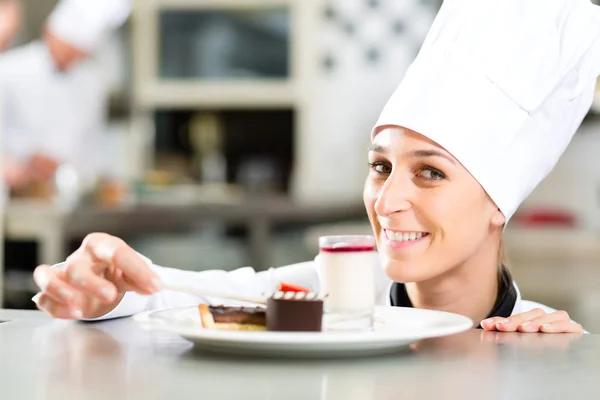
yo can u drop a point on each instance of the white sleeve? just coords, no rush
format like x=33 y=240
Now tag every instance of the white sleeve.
x=242 y=281
x=86 y=23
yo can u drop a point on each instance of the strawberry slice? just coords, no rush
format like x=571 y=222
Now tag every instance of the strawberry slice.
x=288 y=287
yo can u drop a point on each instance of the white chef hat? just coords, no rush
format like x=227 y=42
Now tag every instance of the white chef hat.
x=86 y=23
x=502 y=85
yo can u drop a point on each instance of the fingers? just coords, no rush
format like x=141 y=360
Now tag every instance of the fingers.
x=490 y=323
x=536 y=320
x=561 y=327
x=94 y=279
x=118 y=256
x=50 y=283
x=64 y=297
x=512 y=323
x=535 y=324
x=57 y=309
x=57 y=297
x=558 y=322
x=88 y=277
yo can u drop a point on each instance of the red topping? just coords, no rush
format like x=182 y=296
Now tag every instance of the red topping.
x=288 y=287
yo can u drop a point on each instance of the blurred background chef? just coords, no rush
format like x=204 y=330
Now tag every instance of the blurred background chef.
x=54 y=94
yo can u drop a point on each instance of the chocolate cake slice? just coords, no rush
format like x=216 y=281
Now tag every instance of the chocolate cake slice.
x=233 y=318
x=295 y=311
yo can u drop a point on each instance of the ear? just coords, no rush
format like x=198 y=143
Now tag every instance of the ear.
x=498 y=219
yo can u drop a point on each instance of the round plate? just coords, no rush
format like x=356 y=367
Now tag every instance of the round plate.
x=395 y=329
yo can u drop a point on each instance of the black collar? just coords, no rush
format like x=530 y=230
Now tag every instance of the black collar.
x=505 y=302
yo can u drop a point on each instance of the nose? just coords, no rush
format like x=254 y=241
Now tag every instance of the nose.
x=394 y=196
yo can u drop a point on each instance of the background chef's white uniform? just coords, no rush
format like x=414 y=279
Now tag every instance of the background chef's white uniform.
x=61 y=114
x=50 y=112
x=501 y=84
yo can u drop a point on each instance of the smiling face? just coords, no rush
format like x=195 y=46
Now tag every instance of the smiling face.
x=429 y=215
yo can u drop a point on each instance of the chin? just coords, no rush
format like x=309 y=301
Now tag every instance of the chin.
x=407 y=270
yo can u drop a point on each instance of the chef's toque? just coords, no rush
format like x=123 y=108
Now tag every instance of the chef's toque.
x=502 y=85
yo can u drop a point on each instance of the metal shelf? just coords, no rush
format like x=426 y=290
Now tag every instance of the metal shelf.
x=228 y=94
x=217 y=4
x=152 y=92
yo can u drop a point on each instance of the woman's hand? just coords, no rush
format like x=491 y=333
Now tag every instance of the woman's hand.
x=94 y=279
x=536 y=320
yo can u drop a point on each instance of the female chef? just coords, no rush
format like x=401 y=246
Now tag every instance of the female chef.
x=481 y=117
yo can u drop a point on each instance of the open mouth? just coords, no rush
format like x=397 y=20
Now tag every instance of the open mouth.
x=396 y=236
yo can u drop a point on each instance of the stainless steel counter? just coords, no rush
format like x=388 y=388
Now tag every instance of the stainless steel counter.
x=45 y=359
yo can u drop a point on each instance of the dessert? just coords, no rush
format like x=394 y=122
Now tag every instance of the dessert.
x=295 y=311
x=347 y=273
x=292 y=308
x=233 y=318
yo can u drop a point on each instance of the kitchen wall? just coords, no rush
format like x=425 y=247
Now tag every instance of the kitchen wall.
x=360 y=51
x=574 y=184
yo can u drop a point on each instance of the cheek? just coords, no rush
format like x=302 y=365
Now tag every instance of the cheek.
x=370 y=195
x=460 y=206
x=370 y=198
x=463 y=218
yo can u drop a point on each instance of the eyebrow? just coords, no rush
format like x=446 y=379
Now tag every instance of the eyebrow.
x=416 y=153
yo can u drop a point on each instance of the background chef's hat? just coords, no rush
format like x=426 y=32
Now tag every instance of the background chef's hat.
x=86 y=23
x=502 y=85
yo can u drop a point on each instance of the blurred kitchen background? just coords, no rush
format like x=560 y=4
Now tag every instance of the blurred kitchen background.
x=226 y=126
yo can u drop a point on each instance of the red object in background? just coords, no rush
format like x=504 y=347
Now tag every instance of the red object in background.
x=545 y=217
x=288 y=287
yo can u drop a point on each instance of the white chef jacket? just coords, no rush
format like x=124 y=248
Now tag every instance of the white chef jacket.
x=247 y=282
x=61 y=114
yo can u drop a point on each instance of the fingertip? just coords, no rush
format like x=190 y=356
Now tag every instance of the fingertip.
x=41 y=276
x=487 y=325
x=75 y=313
x=105 y=251
x=156 y=284
x=108 y=294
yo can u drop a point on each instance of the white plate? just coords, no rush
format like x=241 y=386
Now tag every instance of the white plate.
x=395 y=329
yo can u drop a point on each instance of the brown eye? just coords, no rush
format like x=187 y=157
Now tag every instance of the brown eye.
x=431 y=174
x=380 y=168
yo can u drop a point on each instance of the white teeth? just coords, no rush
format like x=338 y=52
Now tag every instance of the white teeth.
x=403 y=236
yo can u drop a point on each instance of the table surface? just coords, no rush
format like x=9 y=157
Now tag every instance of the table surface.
x=48 y=359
